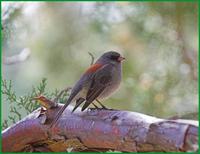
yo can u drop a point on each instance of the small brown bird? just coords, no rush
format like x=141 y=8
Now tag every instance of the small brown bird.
x=99 y=81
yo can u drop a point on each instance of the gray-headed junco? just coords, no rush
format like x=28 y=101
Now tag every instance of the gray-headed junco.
x=99 y=81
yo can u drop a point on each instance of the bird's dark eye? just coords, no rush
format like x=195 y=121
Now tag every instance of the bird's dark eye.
x=114 y=57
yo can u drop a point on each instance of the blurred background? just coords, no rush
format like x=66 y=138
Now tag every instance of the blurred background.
x=159 y=41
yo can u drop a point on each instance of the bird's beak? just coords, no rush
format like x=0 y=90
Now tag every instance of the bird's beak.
x=121 y=59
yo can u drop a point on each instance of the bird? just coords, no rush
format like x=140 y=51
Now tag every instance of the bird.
x=99 y=81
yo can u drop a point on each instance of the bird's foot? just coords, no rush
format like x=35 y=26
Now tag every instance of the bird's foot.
x=92 y=109
x=105 y=108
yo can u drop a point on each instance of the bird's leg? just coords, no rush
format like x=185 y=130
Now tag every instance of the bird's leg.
x=103 y=107
x=95 y=106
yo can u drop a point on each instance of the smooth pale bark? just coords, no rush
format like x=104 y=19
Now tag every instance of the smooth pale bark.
x=99 y=130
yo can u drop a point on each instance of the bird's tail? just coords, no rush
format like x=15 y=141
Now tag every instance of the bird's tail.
x=60 y=112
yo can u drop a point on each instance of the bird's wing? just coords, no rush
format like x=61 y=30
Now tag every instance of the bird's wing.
x=100 y=81
x=86 y=78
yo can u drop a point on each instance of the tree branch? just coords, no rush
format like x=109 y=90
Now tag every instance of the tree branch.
x=99 y=130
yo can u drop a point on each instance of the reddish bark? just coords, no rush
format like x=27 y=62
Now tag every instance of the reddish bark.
x=99 y=130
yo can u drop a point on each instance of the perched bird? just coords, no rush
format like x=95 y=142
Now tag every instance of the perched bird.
x=99 y=81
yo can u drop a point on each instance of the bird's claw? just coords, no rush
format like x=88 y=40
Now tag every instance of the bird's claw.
x=92 y=109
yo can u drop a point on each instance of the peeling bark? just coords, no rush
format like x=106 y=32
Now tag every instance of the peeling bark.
x=99 y=130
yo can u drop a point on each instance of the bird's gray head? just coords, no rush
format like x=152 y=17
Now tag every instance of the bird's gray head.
x=111 y=57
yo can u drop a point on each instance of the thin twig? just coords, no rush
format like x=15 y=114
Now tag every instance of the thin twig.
x=92 y=58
